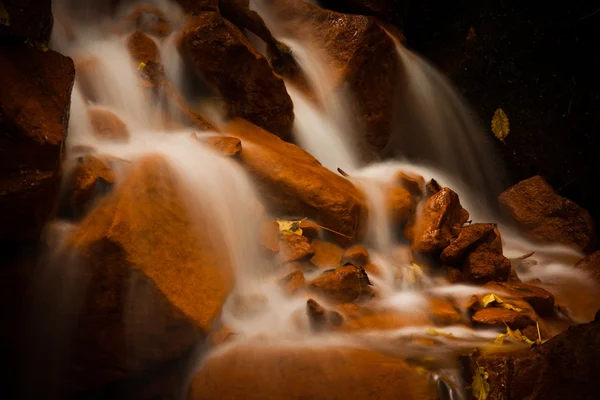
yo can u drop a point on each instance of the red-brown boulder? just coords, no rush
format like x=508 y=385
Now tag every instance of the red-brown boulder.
x=540 y=299
x=357 y=256
x=399 y=204
x=224 y=58
x=293 y=282
x=298 y=373
x=295 y=247
x=34 y=112
x=299 y=185
x=438 y=222
x=342 y=285
x=469 y=237
x=485 y=264
x=154 y=281
x=142 y=48
x=227 y=146
x=499 y=317
x=327 y=254
x=548 y=217
x=363 y=60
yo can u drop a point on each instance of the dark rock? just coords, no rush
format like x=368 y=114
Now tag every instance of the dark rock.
x=224 y=58
x=27 y=19
x=485 y=264
x=34 y=114
x=469 y=237
x=342 y=285
x=548 y=217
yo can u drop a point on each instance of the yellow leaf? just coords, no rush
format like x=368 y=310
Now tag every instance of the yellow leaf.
x=141 y=66
x=434 y=332
x=415 y=273
x=4 y=17
x=500 y=338
x=289 y=227
x=480 y=385
x=41 y=46
x=515 y=335
x=493 y=298
x=500 y=124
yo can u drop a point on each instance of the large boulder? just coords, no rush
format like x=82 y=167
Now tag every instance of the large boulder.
x=276 y=372
x=225 y=59
x=34 y=114
x=294 y=183
x=26 y=19
x=153 y=279
x=548 y=217
x=362 y=57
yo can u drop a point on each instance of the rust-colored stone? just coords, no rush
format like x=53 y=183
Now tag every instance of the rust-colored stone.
x=295 y=247
x=106 y=125
x=35 y=99
x=469 y=237
x=224 y=58
x=342 y=285
x=357 y=256
x=443 y=312
x=227 y=146
x=438 y=223
x=540 y=299
x=399 y=205
x=485 y=264
x=296 y=373
x=548 y=217
x=150 y=279
x=327 y=254
x=415 y=184
x=300 y=185
x=269 y=236
x=293 y=282
x=492 y=317
x=142 y=48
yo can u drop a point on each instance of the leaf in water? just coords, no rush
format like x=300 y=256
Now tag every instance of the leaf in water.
x=415 y=274
x=434 y=332
x=4 y=17
x=289 y=227
x=515 y=335
x=500 y=338
x=480 y=385
x=500 y=124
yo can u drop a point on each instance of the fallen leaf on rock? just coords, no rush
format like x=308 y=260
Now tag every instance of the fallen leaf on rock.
x=290 y=227
x=141 y=66
x=493 y=298
x=4 y=17
x=500 y=125
x=480 y=385
x=516 y=335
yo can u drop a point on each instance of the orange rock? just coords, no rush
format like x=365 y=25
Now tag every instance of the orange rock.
x=310 y=229
x=342 y=285
x=90 y=177
x=497 y=242
x=300 y=185
x=469 y=237
x=293 y=282
x=321 y=319
x=327 y=255
x=225 y=145
x=224 y=58
x=142 y=48
x=150 y=278
x=374 y=270
x=415 y=184
x=106 y=125
x=350 y=310
x=499 y=317
x=548 y=217
x=352 y=45
x=35 y=96
x=269 y=236
x=296 y=373
x=400 y=205
x=438 y=223
x=485 y=264
x=453 y=275
x=295 y=247
x=443 y=312
x=540 y=299
x=357 y=256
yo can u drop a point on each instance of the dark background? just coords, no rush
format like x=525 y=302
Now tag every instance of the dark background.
x=538 y=61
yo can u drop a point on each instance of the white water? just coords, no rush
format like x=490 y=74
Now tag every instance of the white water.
x=434 y=126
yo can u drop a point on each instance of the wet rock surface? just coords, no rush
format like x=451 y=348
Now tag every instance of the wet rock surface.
x=295 y=247
x=341 y=285
x=540 y=299
x=548 y=217
x=485 y=264
x=34 y=113
x=108 y=126
x=300 y=185
x=225 y=145
x=468 y=238
x=241 y=75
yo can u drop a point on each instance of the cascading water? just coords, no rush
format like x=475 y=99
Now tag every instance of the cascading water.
x=433 y=127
